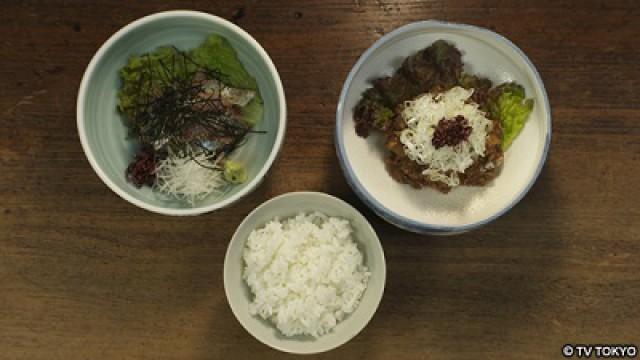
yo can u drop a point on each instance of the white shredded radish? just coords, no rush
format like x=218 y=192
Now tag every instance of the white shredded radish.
x=189 y=177
x=423 y=114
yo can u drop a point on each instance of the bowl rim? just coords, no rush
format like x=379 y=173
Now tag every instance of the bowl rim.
x=378 y=296
x=386 y=213
x=159 y=16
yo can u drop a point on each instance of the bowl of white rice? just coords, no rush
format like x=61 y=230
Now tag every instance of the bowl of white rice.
x=304 y=272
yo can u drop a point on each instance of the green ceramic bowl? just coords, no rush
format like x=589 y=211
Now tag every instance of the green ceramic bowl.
x=104 y=136
x=239 y=296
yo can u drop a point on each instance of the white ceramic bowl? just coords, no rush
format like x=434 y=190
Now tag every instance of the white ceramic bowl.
x=287 y=205
x=104 y=135
x=465 y=208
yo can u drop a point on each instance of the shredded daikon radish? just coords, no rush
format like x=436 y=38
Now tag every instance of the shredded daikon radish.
x=190 y=177
x=422 y=116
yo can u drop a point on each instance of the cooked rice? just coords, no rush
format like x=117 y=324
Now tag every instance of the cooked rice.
x=306 y=273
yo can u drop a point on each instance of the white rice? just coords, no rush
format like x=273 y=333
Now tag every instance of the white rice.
x=306 y=273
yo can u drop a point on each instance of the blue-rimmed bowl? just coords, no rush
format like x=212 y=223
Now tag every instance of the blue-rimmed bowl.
x=104 y=135
x=465 y=208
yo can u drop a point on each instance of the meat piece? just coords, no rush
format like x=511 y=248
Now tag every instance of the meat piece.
x=394 y=145
x=398 y=123
x=489 y=166
x=481 y=88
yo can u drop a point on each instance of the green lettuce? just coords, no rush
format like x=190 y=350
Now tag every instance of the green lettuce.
x=217 y=54
x=508 y=104
x=144 y=73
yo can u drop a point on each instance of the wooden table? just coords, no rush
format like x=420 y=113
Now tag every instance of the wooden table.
x=85 y=275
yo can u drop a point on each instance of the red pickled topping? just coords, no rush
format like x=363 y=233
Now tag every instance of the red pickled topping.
x=451 y=132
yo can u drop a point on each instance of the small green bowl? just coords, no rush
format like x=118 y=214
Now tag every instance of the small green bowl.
x=284 y=206
x=104 y=135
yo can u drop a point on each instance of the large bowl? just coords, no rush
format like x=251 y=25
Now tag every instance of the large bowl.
x=465 y=208
x=284 y=206
x=104 y=135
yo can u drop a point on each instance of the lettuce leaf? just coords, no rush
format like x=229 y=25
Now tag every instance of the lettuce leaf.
x=217 y=54
x=508 y=104
x=142 y=72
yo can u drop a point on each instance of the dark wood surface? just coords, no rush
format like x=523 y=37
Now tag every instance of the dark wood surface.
x=85 y=275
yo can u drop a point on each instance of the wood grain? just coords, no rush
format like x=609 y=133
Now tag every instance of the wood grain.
x=85 y=275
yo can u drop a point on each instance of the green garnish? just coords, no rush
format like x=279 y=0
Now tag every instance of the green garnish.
x=217 y=54
x=234 y=172
x=509 y=105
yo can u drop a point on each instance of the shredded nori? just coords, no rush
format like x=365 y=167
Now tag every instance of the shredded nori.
x=173 y=111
